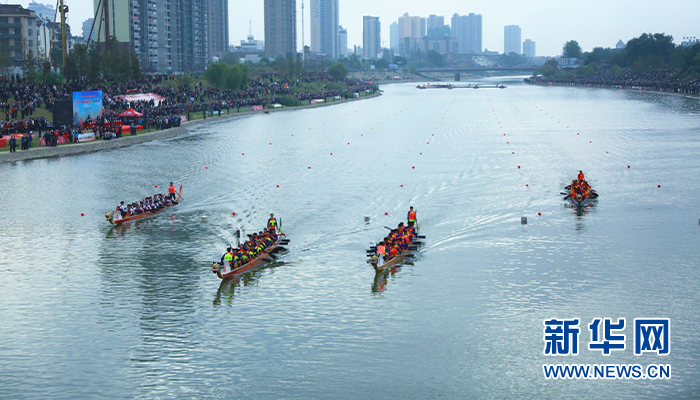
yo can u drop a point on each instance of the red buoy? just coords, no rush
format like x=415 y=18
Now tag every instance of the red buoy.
x=413 y=167
x=527 y=185
x=82 y=214
x=518 y=166
x=386 y=213
x=206 y=167
x=270 y=144
x=278 y=185
x=628 y=166
x=421 y=153
x=233 y=213
x=402 y=185
x=427 y=142
x=348 y=142
x=513 y=152
x=331 y=153
x=242 y=154
x=309 y=167
x=590 y=141
x=659 y=186
x=156 y=185
x=539 y=213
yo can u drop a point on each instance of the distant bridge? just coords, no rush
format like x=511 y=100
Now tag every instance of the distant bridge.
x=458 y=71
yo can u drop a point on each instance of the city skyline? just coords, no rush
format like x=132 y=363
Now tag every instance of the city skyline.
x=549 y=27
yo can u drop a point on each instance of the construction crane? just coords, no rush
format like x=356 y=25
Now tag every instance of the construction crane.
x=63 y=9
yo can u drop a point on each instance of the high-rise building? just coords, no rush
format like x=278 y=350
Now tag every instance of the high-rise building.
x=193 y=23
x=410 y=36
x=511 y=39
x=435 y=20
x=342 y=42
x=423 y=27
x=18 y=34
x=87 y=27
x=167 y=35
x=394 y=37
x=371 y=36
x=529 y=48
x=468 y=32
x=280 y=28
x=43 y=11
x=218 y=28
x=324 y=27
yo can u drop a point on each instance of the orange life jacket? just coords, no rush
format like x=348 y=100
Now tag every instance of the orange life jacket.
x=381 y=250
x=171 y=189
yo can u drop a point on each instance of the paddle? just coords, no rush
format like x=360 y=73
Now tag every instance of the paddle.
x=420 y=236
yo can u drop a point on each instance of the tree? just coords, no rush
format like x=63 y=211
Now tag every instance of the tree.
x=511 y=59
x=435 y=59
x=338 y=71
x=216 y=74
x=650 y=49
x=571 y=49
x=399 y=60
x=381 y=64
x=549 y=68
x=616 y=70
x=598 y=55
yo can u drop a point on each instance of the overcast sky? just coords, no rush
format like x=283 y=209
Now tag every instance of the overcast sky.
x=548 y=22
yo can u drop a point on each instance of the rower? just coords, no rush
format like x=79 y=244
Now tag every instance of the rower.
x=272 y=223
x=227 y=260
x=381 y=249
x=411 y=217
x=171 y=191
x=122 y=209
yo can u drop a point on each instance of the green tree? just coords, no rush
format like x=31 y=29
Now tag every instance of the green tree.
x=435 y=59
x=338 y=70
x=650 y=49
x=399 y=60
x=550 y=68
x=511 y=59
x=571 y=49
x=381 y=64
x=616 y=70
x=216 y=74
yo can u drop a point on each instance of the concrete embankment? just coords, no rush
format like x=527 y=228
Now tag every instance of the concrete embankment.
x=126 y=141
x=691 y=94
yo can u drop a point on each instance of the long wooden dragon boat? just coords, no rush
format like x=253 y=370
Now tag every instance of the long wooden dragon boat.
x=225 y=271
x=115 y=218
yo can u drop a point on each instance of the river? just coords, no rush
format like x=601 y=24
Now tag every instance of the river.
x=90 y=311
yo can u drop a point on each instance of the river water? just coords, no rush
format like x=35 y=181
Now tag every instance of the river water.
x=89 y=311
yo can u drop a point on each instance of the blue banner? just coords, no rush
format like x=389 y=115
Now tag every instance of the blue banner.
x=87 y=104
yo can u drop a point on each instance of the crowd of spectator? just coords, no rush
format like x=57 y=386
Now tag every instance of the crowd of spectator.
x=20 y=98
x=651 y=79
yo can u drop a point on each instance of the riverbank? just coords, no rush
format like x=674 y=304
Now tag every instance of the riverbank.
x=126 y=141
x=646 y=89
